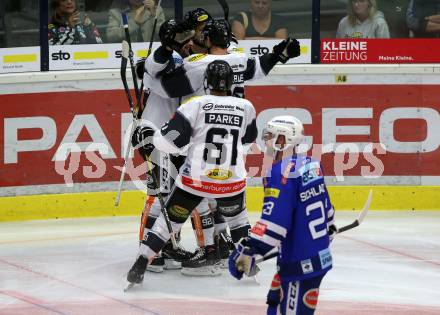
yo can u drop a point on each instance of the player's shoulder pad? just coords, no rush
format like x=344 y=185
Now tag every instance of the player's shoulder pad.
x=191 y=99
x=195 y=57
x=246 y=102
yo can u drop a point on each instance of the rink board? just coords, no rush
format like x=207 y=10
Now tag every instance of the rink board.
x=56 y=206
x=62 y=136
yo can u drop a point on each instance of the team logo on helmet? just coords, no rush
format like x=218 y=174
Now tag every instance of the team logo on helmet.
x=203 y=18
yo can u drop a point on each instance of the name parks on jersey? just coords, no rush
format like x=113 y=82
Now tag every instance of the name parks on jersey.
x=223 y=119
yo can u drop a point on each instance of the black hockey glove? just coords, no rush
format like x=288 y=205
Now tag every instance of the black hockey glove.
x=142 y=139
x=332 y=231
x=288 y=48
x=140 y=68
x=174 y=34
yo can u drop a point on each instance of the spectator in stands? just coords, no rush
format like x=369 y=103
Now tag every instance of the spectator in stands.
x=423 y=18
x=363 y=21
x=68 y=27
x=259 y=22
x=2 y=25
x=395 y=14
x=141 y=14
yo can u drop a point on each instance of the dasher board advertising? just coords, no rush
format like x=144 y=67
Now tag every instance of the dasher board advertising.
x=22 y=59
x=108 y=56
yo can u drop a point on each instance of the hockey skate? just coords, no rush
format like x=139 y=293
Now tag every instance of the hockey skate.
x=204 y=263
x=157 y=265
x=136 y=273
x=225 y=243
x=174 y=258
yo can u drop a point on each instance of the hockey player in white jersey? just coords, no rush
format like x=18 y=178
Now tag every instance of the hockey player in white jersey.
x=214 y=128
x=187 y=80
x=158 y=110
x=172 y=34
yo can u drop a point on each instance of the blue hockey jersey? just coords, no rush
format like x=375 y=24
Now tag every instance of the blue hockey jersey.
x=296 y=215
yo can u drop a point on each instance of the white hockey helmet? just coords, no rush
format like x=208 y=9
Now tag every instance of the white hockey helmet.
x=288 y=126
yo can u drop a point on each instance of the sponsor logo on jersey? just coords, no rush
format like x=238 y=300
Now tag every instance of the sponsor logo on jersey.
x=219 y=174
x=180 y=212
x=223 y=119
x=292 y=297
x=311 y=175
x=196 y=57
x=229 y=108
x=326 y=258
x=213 y=188
x=208 y=106
x=310 y=298
x=259 y=228
x=306 y=266
x=312 y=192
x=229 y=209
x=186 y=170
x=271 y=192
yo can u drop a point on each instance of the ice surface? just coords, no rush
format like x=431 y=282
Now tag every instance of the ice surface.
x=388 y=265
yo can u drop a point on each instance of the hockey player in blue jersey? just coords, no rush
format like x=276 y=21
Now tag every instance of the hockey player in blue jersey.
x=297 y=219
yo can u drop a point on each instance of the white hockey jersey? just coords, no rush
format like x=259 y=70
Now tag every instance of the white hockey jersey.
x=188 y=80
x=214 y=130
x=159 y=109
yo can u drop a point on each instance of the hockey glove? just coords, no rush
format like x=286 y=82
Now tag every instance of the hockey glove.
x=142 y=139
x=174 y=35
x=288 y=48
x=242 y=260
x=274 y=296
x=140 y=68
x=332 y=231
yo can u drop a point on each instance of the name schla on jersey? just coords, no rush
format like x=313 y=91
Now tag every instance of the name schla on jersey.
x=223 y=119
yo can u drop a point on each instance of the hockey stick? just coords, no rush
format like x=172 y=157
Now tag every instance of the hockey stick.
x=357 y=222
x=225 y=8
x=136 y=112
x=127 y=53
x=150 y=46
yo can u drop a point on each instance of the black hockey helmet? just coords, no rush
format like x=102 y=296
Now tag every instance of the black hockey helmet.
x=175 y=34
x=219 y=76
x=195 y=17
x=218 y=32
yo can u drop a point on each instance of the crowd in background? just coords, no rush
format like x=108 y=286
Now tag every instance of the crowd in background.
x=99 y=21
